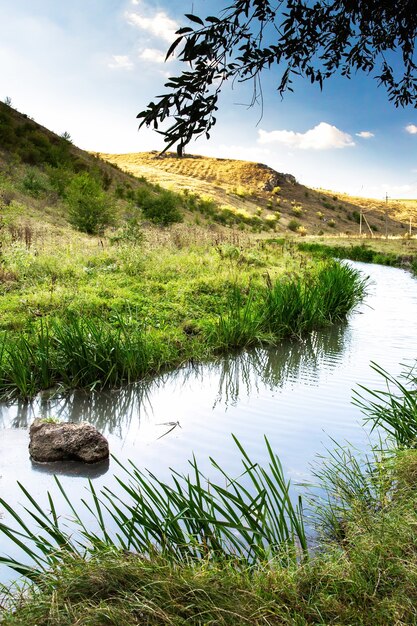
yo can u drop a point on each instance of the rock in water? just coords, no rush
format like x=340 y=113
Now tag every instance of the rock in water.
x=50 y=441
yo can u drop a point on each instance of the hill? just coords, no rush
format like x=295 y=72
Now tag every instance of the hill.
x=254 y=190
x=43 y=177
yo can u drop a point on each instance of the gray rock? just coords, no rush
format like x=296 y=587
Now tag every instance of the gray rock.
x=50 y=441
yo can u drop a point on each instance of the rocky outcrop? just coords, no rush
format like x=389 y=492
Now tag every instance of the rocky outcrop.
x=276 y=179
x=51 y=441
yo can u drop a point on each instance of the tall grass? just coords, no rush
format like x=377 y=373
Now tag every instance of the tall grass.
x=77 y=352
x=350 y=483
x=289 y=307
x=93 y=352
x=358 y=253
x=393 y=408
x=248 y=519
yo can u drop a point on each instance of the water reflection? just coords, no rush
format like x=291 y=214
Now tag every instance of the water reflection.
x=236 y=375
x=275 y=367
x=72 y=468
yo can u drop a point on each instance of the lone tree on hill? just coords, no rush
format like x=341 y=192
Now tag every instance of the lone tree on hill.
x=301 y=38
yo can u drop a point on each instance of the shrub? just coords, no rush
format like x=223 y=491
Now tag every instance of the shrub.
x=331 y=223
x=90 y=209
x=131 y=232
x=33 y=183
x=294 y=225
x=163 y=208
x=59 y=178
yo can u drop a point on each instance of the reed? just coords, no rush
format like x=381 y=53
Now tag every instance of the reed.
x=249 y=519
x=80 y=352
x=239 y=326
x=96 y=352
x=393 y=408
x=350 y=484
x=325 y=296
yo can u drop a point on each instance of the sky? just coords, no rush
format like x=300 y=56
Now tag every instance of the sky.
x=88 y=67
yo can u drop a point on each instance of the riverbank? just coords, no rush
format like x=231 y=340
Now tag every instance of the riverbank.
x=92 y=313
x=364 y=572
x=397 y=252
x=369 y=580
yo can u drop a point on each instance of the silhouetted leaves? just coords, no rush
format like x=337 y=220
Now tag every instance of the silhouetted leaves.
x=298 y=38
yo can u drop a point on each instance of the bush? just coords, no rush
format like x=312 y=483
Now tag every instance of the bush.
x=90 y=209
x=33 y=183
x=162 y=208
x=294 y=225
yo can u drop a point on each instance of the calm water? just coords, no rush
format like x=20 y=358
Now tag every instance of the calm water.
x=298 y=395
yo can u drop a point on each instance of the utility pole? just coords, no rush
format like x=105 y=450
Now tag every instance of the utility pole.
x=409 y=228
x=360 y=223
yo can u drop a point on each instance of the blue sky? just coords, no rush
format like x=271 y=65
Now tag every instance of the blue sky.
x=89 y=66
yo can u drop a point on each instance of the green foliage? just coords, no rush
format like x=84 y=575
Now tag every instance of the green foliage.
x=313 y=44
x=78 y=352
x=102 y=347
x=394 y=408
x=350 y=483
x=356 y=253
x=131 y=232
x=294 y=225
x=162 y=208
x=328 y=205
x=250 y=518
x=33 y=183
x=90 y=209
x=231 y=549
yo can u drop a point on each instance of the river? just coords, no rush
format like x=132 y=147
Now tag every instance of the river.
x=298 y=395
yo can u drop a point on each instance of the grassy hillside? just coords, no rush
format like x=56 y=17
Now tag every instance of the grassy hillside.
x=107 y=278
x=254 y=189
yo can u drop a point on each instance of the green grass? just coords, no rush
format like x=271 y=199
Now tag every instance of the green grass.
x=393 y=408
x=108 y=348
x=246 y=519
x=231 y=551
x=360 y=252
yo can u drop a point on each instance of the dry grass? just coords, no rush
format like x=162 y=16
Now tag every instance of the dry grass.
x=257 y=189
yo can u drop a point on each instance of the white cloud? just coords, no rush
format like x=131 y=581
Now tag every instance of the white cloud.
x=121 y=62
x=365 y=134
x=160 y=25
x=412 y=129
x=153 y=55
x=322 y=137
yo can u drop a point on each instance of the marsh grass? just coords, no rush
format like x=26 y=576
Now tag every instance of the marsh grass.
x=393 y=408
x=248 y=519
x=350 y=484
x=359 y=252
x=107 y=349
x=80 y=352
x=368 y=577
x=231 y=551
